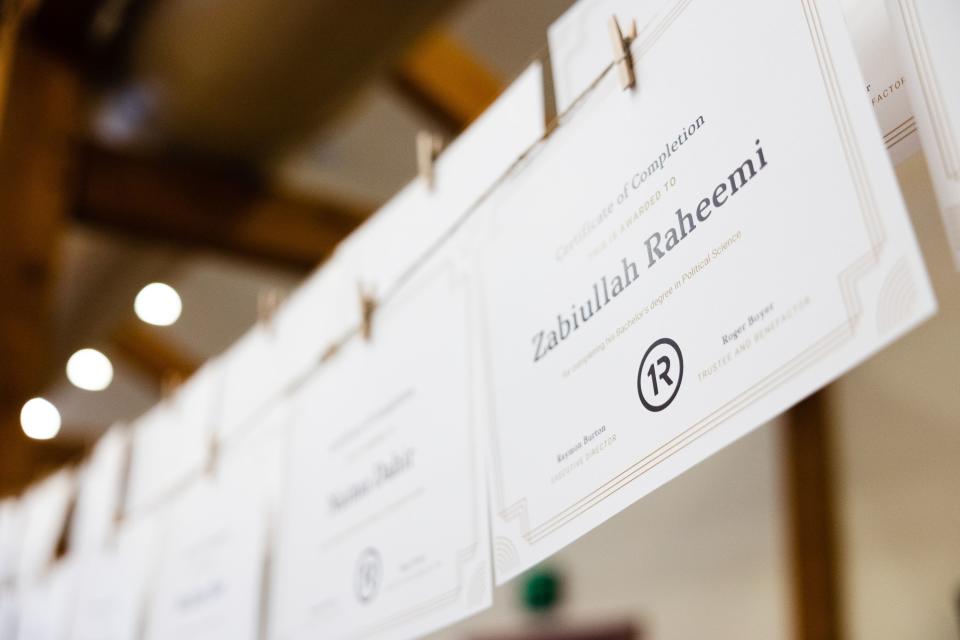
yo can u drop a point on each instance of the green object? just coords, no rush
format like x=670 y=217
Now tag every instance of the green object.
x=541 y=590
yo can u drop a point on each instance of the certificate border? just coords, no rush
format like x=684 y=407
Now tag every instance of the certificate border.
x=900 y=132
x=847 y=280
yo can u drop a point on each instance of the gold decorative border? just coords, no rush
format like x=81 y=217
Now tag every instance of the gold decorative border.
x=847 y=281
x=899 y=133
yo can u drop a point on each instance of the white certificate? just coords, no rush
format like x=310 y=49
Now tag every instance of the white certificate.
x=410 y=226
x=11 y=536
x=113 y=584
x=172 y=441
x=579 y=40
x=252 y=377
x=45 y=508
x=210 y=581
x=100 y=491
x=47 y=606
x=384 y=532
x=926 y=33
x=9 y=612
x=314 y=316
x=883 y=75
x=679 y=263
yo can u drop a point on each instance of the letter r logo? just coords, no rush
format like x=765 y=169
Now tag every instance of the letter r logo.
x=660 y=374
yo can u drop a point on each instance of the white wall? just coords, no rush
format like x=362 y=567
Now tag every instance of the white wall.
x=898 y=425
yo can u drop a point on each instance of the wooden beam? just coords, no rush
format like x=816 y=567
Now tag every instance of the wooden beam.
x=271 y=74
x=203 y=205
x=42 y=112
x=12 y=15
x=812 y=521
x=35 y=162
x=446 y=81
x=156 y=357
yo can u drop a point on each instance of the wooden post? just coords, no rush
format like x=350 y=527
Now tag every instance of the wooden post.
x=816 y=584
x=12 y=15
x=36 y=151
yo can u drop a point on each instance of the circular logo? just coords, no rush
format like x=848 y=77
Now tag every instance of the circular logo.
x=660 y=375
x=367 y=575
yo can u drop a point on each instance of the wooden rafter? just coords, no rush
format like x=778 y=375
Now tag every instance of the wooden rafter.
x=446 y=81
x=194 y=204
x=153 y=355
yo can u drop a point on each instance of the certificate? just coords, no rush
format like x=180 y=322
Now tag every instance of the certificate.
x=317 y=314
x=44 y=512
x=579 y=41
x=172 y=441
x=100 y=491
x=210 y=581
x=252 y=378
x=113 y=583
x=380 y=253
x=926 y=33
x=47 y=606
x=384 y=532
x=883 y=75
x=681 y=262
x=11 y=537
x=9 y=612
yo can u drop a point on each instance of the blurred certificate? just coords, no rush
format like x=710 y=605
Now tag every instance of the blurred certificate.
x=681 y=262
x=926 y=33
x=883 y=75
x=209 y=585
x=385 y=528
x=114 y=580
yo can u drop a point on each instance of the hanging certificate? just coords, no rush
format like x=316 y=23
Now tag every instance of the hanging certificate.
x=384 y=531
x=680 y=262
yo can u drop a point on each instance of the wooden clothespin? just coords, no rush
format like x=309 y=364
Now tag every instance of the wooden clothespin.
x=429 y=145
x=169 y=383
x=268 y=301
x=621 y=52
x=329 y=352
x=368 y=305
x=213 y=453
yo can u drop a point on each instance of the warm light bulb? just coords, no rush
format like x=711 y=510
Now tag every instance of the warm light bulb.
x=89 y=369
x=39 y=419
x=158 y=304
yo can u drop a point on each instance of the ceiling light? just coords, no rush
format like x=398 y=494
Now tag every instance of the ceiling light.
x=158 y=304
x=39 y=419
x=89 y=369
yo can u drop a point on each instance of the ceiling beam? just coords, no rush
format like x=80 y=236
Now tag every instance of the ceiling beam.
x=153 y=355
x=445 y=81
x=252 y=79
x=202 y=205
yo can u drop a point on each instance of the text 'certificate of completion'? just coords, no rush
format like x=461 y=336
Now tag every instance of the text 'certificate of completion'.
x=681 y=262
x=385 y=528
